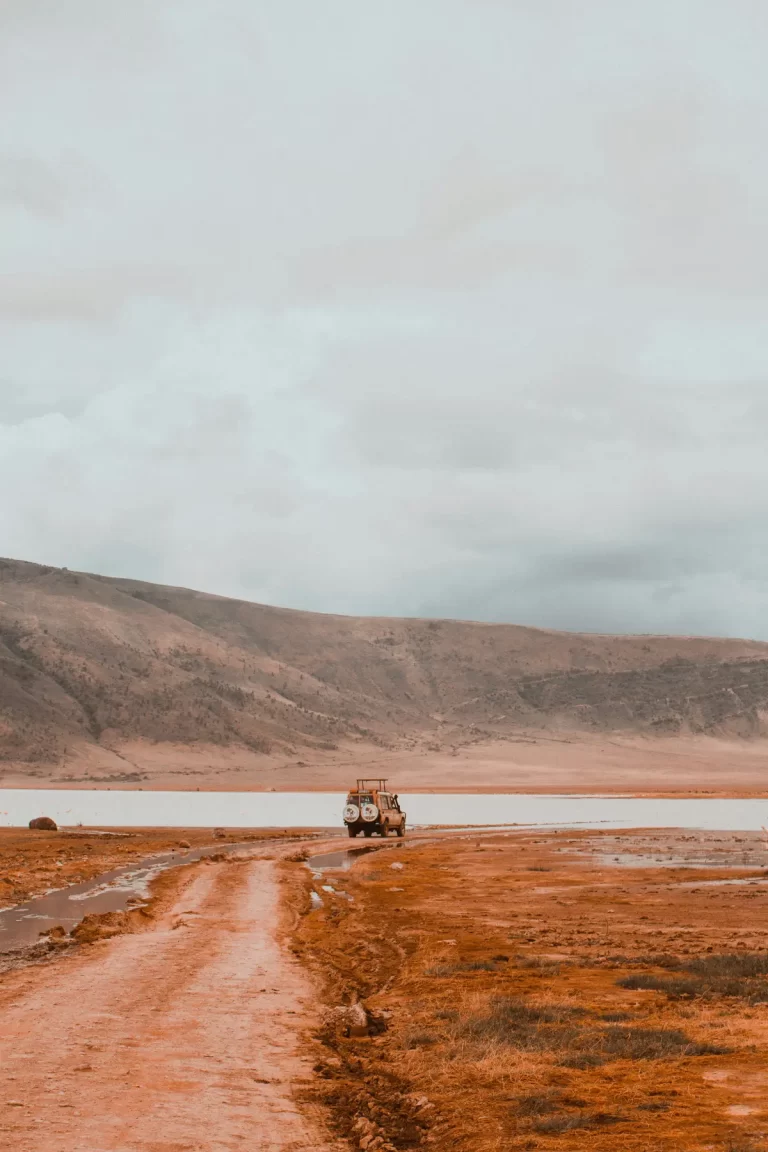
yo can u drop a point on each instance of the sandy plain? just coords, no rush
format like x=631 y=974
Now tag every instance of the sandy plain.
x=529 y=762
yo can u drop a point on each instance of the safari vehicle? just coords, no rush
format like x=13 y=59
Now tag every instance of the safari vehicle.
x=372 y=808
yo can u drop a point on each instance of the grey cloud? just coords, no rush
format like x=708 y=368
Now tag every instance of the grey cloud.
x=90 y=294
x=29 y=183
x=450 y=308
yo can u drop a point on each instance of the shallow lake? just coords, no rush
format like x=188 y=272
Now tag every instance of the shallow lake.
x=111 y=809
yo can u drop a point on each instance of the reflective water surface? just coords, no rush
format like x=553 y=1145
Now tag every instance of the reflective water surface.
x=343 y=859
x=113 y=891
x=114 y=809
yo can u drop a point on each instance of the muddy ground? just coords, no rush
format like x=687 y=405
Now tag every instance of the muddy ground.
x=545 y=991
x=183 y=1032
x=34 y=862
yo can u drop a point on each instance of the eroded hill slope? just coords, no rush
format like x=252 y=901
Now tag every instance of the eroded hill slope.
x=88 y=661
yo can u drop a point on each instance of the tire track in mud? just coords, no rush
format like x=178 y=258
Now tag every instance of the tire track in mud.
x=187 y=1037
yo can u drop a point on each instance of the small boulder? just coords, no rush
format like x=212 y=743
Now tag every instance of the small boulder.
x=184 y=844
x=219 y=834
x=43 y=824
x=353 y=1018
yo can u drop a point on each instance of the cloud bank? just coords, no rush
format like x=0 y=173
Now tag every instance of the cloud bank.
x=455 y=308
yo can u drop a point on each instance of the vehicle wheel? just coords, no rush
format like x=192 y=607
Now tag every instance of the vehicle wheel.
x=353 y=831
x=367 y=832
x=401 y=829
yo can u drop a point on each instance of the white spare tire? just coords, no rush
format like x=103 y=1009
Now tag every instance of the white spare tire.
x=369 y=812
x=351 y=814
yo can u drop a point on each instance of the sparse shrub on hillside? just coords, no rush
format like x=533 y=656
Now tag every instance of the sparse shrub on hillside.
x=232 y=693
x=257 y=744
x=89 y=669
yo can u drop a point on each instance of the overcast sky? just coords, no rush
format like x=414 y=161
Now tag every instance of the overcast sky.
x=416 y=307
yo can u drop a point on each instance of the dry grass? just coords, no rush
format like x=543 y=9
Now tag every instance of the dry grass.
x=554 y=1112
x=544 y=1049
x=462 y=966
x=563 y=1029
x=522 y=1025
x=741 y=975
x=569 y=1121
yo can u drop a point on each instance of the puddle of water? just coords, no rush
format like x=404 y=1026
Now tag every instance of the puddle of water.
x=342 y=860
x=115 y=809
x=23 y=924
x=718 y=883
x=637 y=860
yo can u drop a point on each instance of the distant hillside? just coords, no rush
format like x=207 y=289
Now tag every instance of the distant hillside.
x=93 y=662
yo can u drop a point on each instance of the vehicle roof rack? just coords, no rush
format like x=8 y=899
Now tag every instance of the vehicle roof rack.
x=378 y=785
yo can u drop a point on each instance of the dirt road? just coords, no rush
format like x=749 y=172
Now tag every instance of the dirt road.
x=186 y=1037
